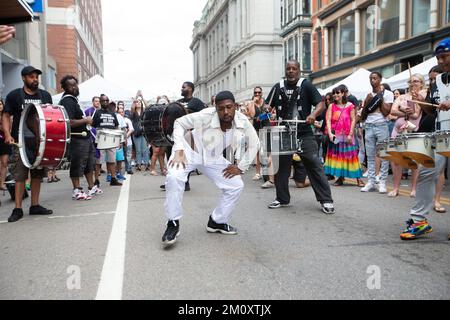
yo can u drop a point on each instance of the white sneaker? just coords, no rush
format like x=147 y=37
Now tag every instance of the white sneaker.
x=78 y=194
x=377 y=179
x=369 y=187
x=382 y=188
x=257 y=177
x=268 y=184
x=95 y=191
x=366 y=174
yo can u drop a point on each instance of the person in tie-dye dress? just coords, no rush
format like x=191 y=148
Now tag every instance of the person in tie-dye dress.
x=342 y=156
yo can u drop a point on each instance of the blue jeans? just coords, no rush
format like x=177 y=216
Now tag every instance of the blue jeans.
x=376 y=133
x=142 y=152
x=128 y=150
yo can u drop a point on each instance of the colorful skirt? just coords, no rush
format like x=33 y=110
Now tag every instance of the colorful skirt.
x=342 y=161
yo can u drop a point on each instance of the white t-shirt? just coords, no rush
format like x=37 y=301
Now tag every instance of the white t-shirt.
x=377 y=117
x=130 y=127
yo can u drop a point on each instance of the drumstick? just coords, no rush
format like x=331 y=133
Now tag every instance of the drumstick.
x=425 y=103
x=16 y=145
x=83 y=134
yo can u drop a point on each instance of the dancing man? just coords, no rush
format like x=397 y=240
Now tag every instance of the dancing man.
x=293 y=99
x=214 y=130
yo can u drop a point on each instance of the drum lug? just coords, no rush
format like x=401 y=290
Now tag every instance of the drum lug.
x=61 y=120
x=45 y=159
x=49 y=119
x=49 y=140
x=57 y=159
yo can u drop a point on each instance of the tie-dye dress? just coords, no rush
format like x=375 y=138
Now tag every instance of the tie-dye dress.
x=342 y=157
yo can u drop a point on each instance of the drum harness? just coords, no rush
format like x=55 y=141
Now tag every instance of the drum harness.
x=76 y=99
x=291 y=103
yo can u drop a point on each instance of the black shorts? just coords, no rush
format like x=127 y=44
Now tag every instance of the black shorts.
x=4 y=148
x=82 y=157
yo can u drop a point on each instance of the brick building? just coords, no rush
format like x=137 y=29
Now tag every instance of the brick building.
x=75 y=37
x=379 y=35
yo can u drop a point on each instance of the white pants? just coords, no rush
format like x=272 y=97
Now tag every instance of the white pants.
x=175 y=182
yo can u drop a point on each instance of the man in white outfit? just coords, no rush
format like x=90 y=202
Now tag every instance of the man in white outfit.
x=213 y=131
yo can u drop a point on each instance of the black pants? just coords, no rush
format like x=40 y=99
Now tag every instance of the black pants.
x=313 y=167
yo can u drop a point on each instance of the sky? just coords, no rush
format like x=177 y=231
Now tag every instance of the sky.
x=146 y=44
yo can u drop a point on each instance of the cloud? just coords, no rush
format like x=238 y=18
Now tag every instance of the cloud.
x=155 y=36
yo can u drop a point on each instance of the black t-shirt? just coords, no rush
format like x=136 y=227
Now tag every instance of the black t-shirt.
x=193 y=104
x=17 y=100
x=104 y=119
x=308 y=97
x=75 y=113
x=428 y=120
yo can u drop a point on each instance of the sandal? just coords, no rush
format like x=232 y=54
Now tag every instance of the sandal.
x=153 y=173
x=439 y=208
x=361 y=183
x=339 y=182
x=393 y=194
x=413 y=194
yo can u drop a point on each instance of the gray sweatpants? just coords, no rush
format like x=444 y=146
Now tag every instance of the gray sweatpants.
x=426 y=189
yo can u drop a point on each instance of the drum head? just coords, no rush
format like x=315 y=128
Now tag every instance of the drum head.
x=157 y=123
x=30 y=132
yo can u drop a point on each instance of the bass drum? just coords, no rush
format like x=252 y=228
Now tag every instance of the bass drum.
x=157 y=123
x=44 y=134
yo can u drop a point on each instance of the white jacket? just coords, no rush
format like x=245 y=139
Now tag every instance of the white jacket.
x=209 y=136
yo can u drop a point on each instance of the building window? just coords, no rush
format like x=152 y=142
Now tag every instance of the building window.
x=369 y=28
x=420 y=16
x=306 y=58
x=290 y=11
x=347 y=37
x=306 y=7
x=447 y=15
x=291 y=49
x=389 y=22
x=51 y=78
x=334 y=40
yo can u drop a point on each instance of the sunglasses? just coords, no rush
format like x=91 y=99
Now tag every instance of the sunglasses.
x=257 y=92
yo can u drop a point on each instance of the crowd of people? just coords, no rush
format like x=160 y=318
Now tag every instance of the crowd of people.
x=337 y=141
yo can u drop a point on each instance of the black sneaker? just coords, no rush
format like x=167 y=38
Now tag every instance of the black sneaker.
x=16 y=215
x=223 y=228
x=163 y=187
x=172 y=232
x=130 y=172
x=187 y=187
x=39 y=211
x=328 y=208
x=115 y=182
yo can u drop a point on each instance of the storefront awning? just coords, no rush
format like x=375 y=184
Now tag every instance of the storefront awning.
x=15 y=11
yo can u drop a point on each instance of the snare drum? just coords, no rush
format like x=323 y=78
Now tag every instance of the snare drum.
x=279 y=140
x=108 y=138
x=418 y=147
x=48 y=150
x=442 y=141
x=387 y=150
x=157 y=123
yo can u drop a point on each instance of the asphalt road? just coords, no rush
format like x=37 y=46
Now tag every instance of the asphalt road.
x=110 y=247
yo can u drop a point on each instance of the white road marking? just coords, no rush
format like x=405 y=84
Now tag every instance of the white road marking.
x=111 y=281
x=82 y=215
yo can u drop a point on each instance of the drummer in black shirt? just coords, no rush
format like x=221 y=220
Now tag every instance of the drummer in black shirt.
x=293 y=99
x=15 y=103
x=82 y=150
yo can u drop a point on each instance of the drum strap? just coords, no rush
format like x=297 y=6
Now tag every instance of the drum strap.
x=291 y=103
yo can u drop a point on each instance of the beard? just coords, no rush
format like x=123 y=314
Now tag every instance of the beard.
x=32 y=86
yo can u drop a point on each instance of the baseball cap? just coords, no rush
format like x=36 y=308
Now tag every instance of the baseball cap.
x=443 y=46
x=29 y=70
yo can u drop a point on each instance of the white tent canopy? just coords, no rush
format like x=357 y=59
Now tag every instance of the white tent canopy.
x=358 y=84
x=400 y=81
x=96 y=86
